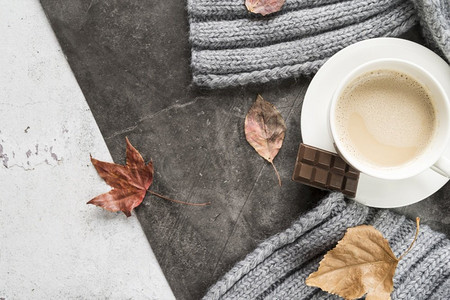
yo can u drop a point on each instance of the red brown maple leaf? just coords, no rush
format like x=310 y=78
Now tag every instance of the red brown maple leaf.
x=129 y=183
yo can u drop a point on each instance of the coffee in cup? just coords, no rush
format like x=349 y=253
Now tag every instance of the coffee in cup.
x=390 y=119
x=385 y=118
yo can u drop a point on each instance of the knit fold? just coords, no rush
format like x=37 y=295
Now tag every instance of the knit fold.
x=311 y=48
x=232 y=9
x=278 y=267
x=435 y=23
x=232 y=47
x=292 y=25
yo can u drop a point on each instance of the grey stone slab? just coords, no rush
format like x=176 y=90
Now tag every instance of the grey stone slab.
x=131 y=59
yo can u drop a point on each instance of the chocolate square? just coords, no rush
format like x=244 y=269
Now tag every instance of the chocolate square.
x=336 y=181
x=309 y=155
x=306 y=171
x=324 y=159
x=338 y=165
x=350 y=186
x=321 y=177
x=352 y=172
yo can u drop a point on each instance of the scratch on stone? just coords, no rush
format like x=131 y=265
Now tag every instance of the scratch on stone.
x=53 y=155
x=22 y=105
x=29 y=167
x=26 y=129
x=28 y=157
x=237 y=220
x=5 y=160
x=150 y=116
x=128 y=129
x=4 y=156
x=90 y=6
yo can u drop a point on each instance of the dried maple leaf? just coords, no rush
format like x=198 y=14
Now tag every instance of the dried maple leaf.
x=264 y=7
x=362 y=262
x=265 y=130
x=130 y=183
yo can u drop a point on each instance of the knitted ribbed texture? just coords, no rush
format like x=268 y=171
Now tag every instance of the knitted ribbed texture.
x=435 y=21
x=277 y=269
x=231 y=46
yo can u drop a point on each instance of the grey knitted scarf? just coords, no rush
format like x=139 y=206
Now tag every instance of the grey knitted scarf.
x=277 y=269
x=232 y=47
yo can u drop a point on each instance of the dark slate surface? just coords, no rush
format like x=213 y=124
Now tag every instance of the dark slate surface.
x=131 y=59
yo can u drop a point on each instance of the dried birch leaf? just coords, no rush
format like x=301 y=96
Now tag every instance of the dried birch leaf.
x=265 y=130
x=362 y=262
x=264 y=7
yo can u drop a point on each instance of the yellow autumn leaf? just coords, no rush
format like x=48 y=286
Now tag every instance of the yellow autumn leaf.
x=362 y=262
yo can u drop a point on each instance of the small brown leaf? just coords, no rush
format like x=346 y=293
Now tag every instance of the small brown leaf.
x=129 y=182
x=264 y=7
x=362 y=262
x=265 y=130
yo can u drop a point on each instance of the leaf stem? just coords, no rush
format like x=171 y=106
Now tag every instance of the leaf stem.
x=177 y=201
x=415 y=238
x=276 y=172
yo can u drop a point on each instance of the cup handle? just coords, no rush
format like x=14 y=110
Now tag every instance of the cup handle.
x=442 y=166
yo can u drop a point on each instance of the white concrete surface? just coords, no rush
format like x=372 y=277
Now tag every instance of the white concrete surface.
x=53 y=245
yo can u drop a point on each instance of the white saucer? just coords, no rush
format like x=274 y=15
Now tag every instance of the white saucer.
x=314 y=120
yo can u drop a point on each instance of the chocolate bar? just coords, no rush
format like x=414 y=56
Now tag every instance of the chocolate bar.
x=325 y=170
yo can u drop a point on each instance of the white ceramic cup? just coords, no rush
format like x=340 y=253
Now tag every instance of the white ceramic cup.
x=432 y=157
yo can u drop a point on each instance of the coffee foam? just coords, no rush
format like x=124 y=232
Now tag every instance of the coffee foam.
x=385 y=117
